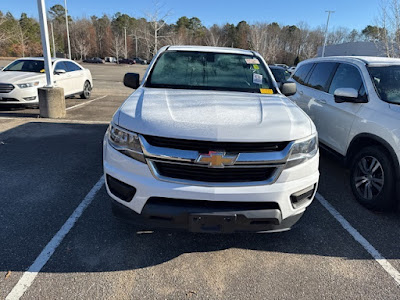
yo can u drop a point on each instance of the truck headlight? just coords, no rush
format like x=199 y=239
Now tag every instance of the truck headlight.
x=28 y=85
x=126 y=142
x=302 y=151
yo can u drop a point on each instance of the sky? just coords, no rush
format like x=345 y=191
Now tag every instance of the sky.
x=348 y=13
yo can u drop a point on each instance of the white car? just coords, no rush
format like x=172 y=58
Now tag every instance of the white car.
x=209 y=143
x=20 y=80
x=355 y=104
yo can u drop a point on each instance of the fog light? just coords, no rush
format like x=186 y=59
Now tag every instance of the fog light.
x=30 y=98
x=120 y=189
x=301 y=197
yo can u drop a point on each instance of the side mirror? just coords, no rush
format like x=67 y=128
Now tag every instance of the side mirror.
x=347 y=95
x=60 y=71
x=288 y=88
x=131 y=80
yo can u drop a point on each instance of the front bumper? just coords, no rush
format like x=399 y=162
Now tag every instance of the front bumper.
x=279 y=212
x=200 y=218
x=27 y=96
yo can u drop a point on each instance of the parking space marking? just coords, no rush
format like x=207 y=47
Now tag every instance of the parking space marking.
x=360 y=239
x=87 y=102
x=29 y=276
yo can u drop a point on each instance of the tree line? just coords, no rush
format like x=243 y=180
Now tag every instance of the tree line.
x=105 y=35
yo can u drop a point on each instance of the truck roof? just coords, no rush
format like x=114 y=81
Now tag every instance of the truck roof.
x=209 y=49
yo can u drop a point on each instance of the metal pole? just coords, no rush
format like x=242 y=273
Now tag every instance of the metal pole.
x=126 y=48
x=66 y=23
x=52 y=37
x=326 y=31
x=136 y=44
x=44 y=34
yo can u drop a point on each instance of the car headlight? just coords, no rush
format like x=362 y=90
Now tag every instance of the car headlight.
x=126 y=142
x=28 y=85
x=302 y=151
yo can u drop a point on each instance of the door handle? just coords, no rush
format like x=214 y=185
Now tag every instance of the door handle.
x=320 y=101
x=301 y=92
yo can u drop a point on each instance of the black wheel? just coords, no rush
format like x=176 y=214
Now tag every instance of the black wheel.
x=87 y=90
x=372 y=178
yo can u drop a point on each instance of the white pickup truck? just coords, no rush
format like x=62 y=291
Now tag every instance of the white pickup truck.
x=209 y=143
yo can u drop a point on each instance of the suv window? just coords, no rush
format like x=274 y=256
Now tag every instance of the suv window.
x=71 y=66
x=321 y=76
x=301 y=74
x=386 y=80
x=347 y=76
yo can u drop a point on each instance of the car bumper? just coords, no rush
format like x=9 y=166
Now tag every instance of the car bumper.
x=20 y=96
x=220 y=209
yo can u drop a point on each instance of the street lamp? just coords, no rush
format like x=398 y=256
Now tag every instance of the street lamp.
x=326 y=31
x=66 y=24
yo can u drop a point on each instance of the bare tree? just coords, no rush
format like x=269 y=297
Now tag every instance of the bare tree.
x=215 y=37
x=118 y=46
x=80 y=37
x=156 y=20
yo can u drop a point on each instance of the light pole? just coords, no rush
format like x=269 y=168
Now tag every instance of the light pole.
x=51 y=98
x=126 y=48
x=136 y=44
x=66 y=24
x=52 y=38
x=326 y=31
x=44 y=34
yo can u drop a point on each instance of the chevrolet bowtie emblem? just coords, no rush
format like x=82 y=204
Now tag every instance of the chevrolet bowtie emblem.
x=216 y=159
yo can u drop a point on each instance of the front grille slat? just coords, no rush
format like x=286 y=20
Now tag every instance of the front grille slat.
x=6 y=87
x=205 y=146
x=198 y=173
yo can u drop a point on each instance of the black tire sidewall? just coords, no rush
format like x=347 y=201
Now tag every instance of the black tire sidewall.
x=385 y=199
x=83 y=93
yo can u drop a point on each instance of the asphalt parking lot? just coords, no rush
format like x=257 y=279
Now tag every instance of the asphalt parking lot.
x=60 y=241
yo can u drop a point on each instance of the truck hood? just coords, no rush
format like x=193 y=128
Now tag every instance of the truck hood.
x=213 y=115
x=20 y=77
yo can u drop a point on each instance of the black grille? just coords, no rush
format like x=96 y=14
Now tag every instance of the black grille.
x=232 y=205
x=6 y=87
x=204 y=174
x=8 y=99
x=205 y=146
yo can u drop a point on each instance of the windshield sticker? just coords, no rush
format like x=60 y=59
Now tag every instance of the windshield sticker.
x=252 y=61
x=266 y=91
x=257 y=78
x=256 y=67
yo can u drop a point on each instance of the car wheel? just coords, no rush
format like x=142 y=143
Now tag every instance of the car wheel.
x=87 y=90
x=372 y=178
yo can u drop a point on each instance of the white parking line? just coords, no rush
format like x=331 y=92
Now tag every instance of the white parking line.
x=84 y=103
x=360 y=239
x=29 y=276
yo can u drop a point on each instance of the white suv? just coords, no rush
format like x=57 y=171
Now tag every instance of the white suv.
x=355 y=104
x=209 y=143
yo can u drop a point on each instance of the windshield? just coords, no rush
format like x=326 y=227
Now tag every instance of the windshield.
x=280 y=75
x=25 y=65
x=210 y=71
x=387 y=82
